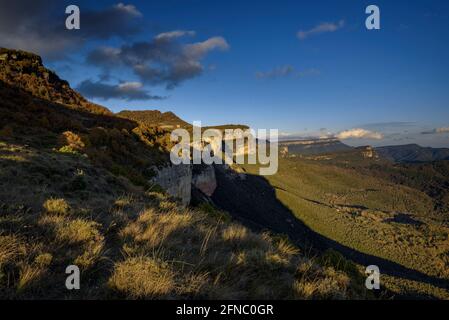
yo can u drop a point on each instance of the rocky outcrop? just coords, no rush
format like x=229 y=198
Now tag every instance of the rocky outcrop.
x=204 y=179
x=284 y=151
x=176 y=181
x=368 y=152
x=314 y=146
x=179 y=181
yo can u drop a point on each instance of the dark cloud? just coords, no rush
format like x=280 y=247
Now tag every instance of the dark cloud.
x=39 y=25
x=165 y=60
x=119 y=20
x=126 y=90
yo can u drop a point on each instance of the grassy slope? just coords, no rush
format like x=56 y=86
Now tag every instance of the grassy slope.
x=57 y=209
x=363 y=212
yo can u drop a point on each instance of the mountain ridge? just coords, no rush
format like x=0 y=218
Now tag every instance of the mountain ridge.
x=413 y=153
x=26 y=71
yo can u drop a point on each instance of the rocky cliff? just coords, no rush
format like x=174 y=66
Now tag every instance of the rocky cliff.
x=313 y=146
x=176 y=181
x=204 y=179
x=368 y=152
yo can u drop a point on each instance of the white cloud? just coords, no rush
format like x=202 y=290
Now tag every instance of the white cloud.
x=130 y=9
x=174 y=34
x=130 y=85
x=199 y=49
x=321 y=28
x=359 y=133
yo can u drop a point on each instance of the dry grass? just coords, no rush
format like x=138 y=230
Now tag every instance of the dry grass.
x=152 y=229
x=29 y=275
x=72 y=231
x=214 y=259
x=143 y=277
x=11 y=247
x=78 y=230
x=235 y=233
x=286 y=248
x=57 y=206
x=43 y=259
x=124 y=201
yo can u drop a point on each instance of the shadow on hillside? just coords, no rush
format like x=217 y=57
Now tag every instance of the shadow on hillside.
x=122 y=146
x=21 y=107
x=253 y=201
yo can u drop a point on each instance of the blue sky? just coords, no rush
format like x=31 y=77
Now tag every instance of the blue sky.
x=392 y=81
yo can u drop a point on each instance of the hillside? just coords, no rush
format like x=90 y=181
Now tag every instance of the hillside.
x=413 y=153
x=58 y=210
x=167 y=120
x=312 y=146
x=75 y=188
x=370 y=210
x=25 y=70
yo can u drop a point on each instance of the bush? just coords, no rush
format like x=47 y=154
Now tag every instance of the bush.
x=77 y=231
x=44 y=259
x=337 y=261
x=143 y=278
x=57 y=206
x=68 y=150
x=71 y=140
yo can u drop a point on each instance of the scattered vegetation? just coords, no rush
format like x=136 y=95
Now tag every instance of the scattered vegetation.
x=56 y=206
x=63 y=120
x=137 y=245
x=394 y=212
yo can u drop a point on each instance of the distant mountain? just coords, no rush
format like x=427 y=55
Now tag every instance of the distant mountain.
x=166 y=120
x=313 y=146
x=413 y=153
x=223 y=127
x=169 y=120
